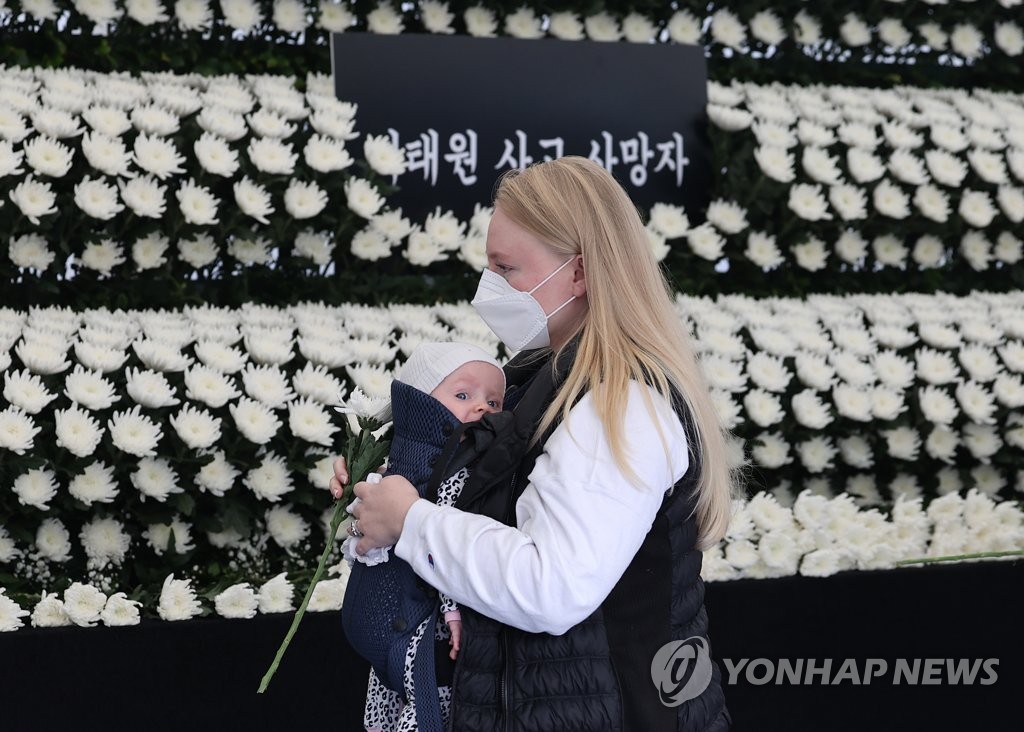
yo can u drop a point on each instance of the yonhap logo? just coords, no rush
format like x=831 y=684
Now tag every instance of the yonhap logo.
x=681 y=670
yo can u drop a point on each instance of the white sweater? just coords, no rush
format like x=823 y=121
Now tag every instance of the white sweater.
x=579 y=523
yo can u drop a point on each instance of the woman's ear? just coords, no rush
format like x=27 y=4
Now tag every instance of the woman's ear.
x=579 y=278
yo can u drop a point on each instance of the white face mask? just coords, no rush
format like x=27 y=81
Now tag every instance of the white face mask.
x=514 y=316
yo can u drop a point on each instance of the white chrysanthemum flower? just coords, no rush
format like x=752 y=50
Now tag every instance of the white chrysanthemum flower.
x=1009 y=38
x=1011 y=201
x=770 y=451
x=89 y=389
x=157 y=155
x=95 y=484
x=268 y=384
x=706 y=242
x=217 y=476
x=902 y=443
x=110 y=121
x=810 y=411
x=76 y=431
x=271 y=479
x=763 y=408
x=816 y=454
x=362 y=197
x=942 y=443
x=976 y=250
x=196 y=427
x=890 y=200
x=326 y=155
x=53 y=542
x=775 y=162
x=155 y=120
x=48 y=157
x=159 y=537
x=134 y=433
x=197 y=204
x=328 y=595
x=766 y=26
x=251 y=250
x=31 y=251
x=177 y=598
x=887 y=404
x=272 y=156
x=149 y=388
x=566 y=25
x=976 y=208
x=222 y=122
x=360 y=404
x=120 y=611
x=35 y=488
x=977 y=402
x=34 y=199
x=967 y=41
x=48 y=613
x=523 y=23
x=335 y=17
x=215 y=155
x=854 y=31
x=286 y=527
x=304 y=200
x=198 y=252
x=275 y=595
x=27 y=391
x=936 y=367
x=309 y=421
x=315 y=246
x=160 y=355
x=728 y=29
x=811 y=254
x=17 y=430
x=316 y=382
x=290 y=16
x=370 y=245
x=763 y=251
x=980 y=362
x=210 y=386
x=668 y=220
x=889 y=250
x=422 y=250
x=148 y=252
x=105 y=542
x=155 y=478
x=983 y=441
x=237 y=601
x=144 y=196
x=849 y=201
x=255 y=421
x=727 y=216
x=102 y=256
x=242 y=15
x=863 y=165
x=856 y=452
x=1009 y=390
x=253 y=199
x=808 y=202
x=83 y=604
x=383 y=155
x=384 y=20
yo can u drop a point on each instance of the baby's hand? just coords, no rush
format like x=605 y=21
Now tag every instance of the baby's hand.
x=455 y=626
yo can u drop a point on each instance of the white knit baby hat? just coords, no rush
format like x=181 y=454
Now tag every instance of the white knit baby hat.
x=430 y=363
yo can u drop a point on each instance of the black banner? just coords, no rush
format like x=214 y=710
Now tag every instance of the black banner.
x=466 y=109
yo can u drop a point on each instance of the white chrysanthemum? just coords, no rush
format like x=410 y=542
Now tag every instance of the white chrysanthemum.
x=197 y=204
x=148 y=252
x=727 y=29
x=890 y=200
x=268 y=384
x=76 y=431
x=48 y=613
x=856 y=452
x=215 y=155
x=863 y=165
x=775 y=162
x=810 y=411
x=237 y=601
x=275 y=595
x=816 y=454
x=48 y=157
x=1011 y=201
x=271 y=479
x=149 y=388
x=242 y=15
x=889 y=250
x=256 y=422
x=198 y=252
x=1009 y=38
x=383 y=155
x=286 y=527
x=272 y=156
x=30 y=251
x=763 y=408
x=103 y=256
x=335 y=17
x=178 y=599
x=159 y=537
x=157 y=155
x=983 y=441
x=976 y=208
x=120 y=611
x=308 y=421
x=209 y=386
x=95 y=484
x=763 y=251
x=105 y=542
x=328 y=595
x=936 y=367
x=811 y=254
x=27 y=391
x=422 y=250
x=35 y=488
x=196 y=427
x=766 y=26
x=705 y=242
x=83 y=604
x=727 y=216
x=384 y=20
x=362 y=197
x=144 y=196
x=902 y=443
x=155 y=478
x=89 y=389
x=771 y=451
x=326 y=155
x=253 y=200
x=317 y=383
x=977 y=402
x=976 y=250
x=854 y=31
x=34 y=199
x=304 y=200
x=17 y=431
x=966 y=40
x=53 y=542
x=668 y=220
x=808 y=202
x=217 y=476
x=134 y=433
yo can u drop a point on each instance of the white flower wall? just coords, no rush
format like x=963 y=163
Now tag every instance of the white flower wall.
x=198 y=442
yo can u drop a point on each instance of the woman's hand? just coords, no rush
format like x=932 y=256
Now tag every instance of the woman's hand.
x=340 y=479
x=381 y=510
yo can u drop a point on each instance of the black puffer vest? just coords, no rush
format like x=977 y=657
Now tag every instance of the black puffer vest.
x=597 y=676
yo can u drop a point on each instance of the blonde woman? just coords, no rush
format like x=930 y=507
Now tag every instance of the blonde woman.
x=575 y=547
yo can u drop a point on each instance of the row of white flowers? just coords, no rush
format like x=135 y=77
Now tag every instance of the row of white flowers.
x=813 y=535
x=741 y=27
x=892 y=177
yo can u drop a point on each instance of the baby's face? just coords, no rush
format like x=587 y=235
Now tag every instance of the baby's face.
x=472 y=390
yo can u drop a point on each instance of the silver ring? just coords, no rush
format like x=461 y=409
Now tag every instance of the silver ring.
x=353 y=530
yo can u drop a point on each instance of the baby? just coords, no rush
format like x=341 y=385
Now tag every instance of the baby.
x=388 y=611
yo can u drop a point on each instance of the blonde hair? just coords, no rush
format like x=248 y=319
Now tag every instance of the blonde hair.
x=631 y=330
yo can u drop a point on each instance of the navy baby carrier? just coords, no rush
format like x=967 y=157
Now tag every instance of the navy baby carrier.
x=386 y=603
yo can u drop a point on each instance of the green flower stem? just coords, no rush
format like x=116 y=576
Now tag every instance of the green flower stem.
x=336 y=519
x=957 y=557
